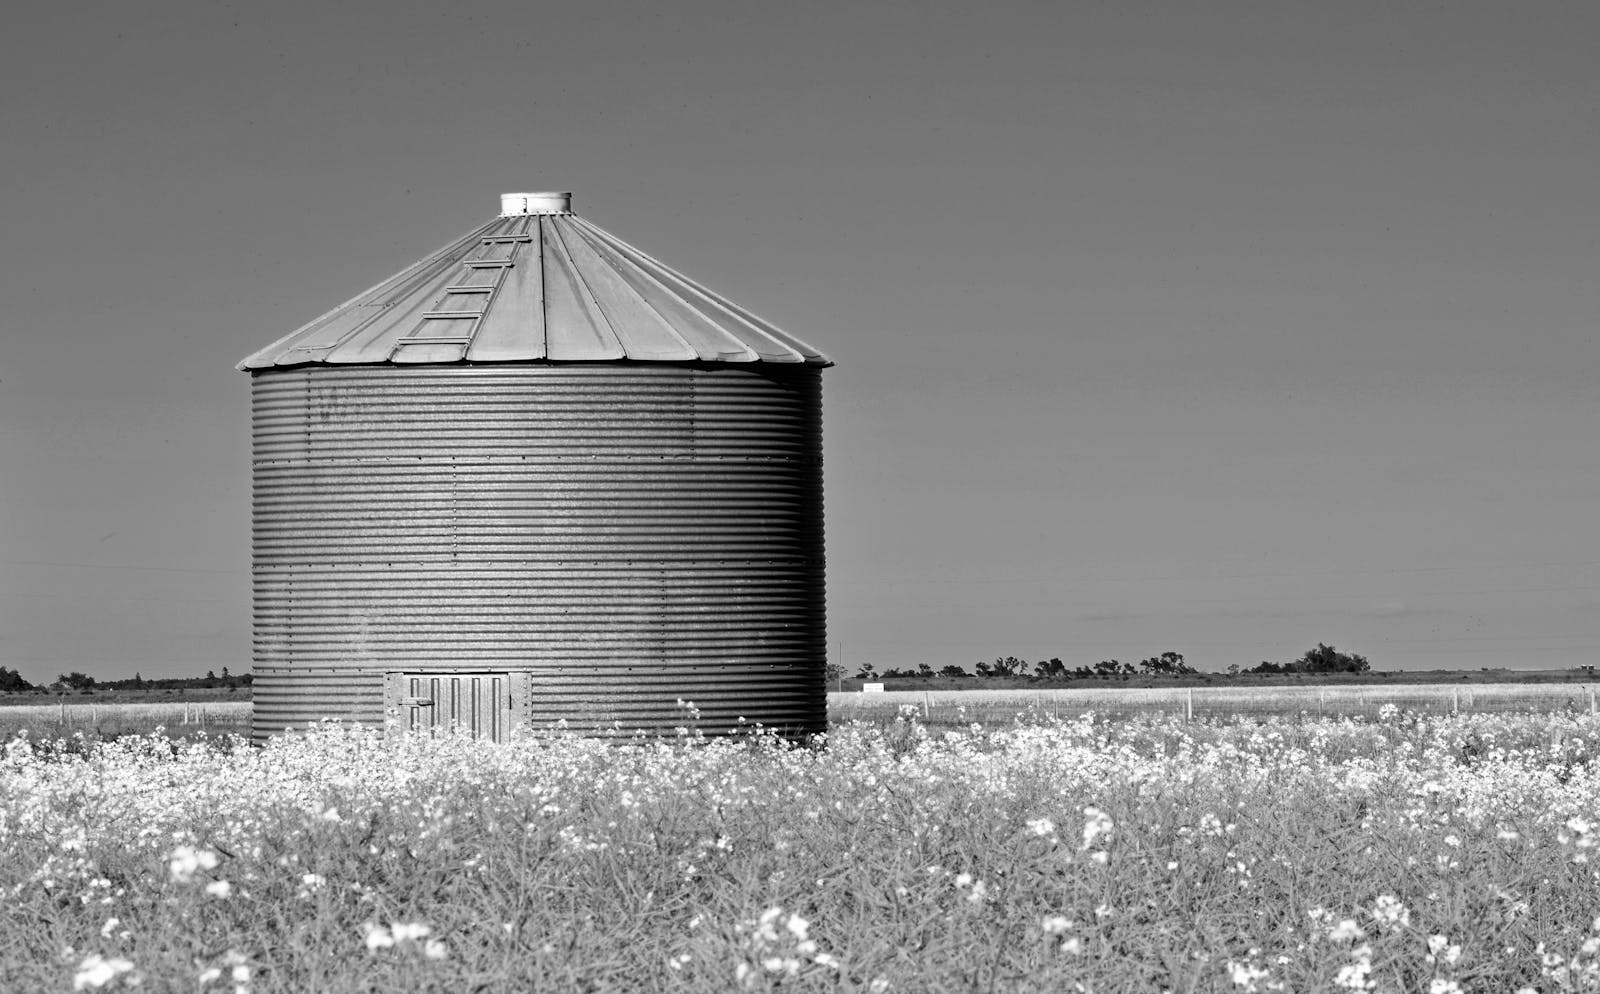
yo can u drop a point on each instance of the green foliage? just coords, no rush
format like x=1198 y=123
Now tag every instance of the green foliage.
x=1003 y=666
x=210 y=681
x=12 y=682
x=1050 y=669
x=1322 y=659
x=1166 y=664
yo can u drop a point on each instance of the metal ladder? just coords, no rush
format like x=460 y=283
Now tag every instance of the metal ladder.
x=484 y=293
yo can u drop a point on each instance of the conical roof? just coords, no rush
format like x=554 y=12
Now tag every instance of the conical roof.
x=538 y=283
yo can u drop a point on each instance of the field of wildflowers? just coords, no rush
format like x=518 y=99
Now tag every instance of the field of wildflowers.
x=1406 y=853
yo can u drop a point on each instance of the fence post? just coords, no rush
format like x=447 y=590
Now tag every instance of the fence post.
x=925 y=703
x=1591 y=700
x=1455 y=701
x=1322 y=703
x=63 y=712
x=1188 y=706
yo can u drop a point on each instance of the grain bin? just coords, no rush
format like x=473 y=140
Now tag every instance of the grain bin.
x=537 y=477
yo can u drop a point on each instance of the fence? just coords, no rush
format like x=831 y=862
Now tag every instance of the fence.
x=58 y=719
x=1365 y=700
x=950 y=707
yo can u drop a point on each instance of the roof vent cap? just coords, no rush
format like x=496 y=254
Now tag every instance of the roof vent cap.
x=519 y=204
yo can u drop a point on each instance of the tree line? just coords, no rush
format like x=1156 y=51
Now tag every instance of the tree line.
x=13 y=682
x=1322 y=659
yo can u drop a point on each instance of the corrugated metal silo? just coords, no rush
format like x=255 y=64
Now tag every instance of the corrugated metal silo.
x=536 y=476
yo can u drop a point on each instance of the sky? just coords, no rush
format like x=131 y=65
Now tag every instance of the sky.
x=1226 y=329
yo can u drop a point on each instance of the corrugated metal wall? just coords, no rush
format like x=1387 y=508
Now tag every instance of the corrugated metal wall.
x=627 y=534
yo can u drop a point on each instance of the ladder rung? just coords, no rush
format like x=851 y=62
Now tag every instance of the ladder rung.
x=435 y=340
x=451 y=315
x=469 y=289
x=489 y=264
x=503 y=239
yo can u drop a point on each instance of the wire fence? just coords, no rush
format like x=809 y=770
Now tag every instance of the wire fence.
x=53 y=720
x=1217 y=703
x=947 y=707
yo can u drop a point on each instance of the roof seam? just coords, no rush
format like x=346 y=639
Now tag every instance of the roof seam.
x=584 y=295
x=676 y=296
x=666 y=324
x=739 y=313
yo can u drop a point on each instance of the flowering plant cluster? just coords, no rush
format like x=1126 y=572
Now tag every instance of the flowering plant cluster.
x=1407 y=854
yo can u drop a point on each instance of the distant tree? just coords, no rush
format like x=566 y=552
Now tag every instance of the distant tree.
x=923 y=669
x=1322 y=659
x=1233 y=669
x=953 y=670
x=1107 y=667
x=75 y=681
x=1327 y=659
x=832 y=673
x=1050 y=669
x=1166 y=664
x=866 y=672
x=1003 y=666
x=11 y=681
x=138 y=681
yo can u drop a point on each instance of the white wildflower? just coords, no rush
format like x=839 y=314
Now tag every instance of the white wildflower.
x=409 y=932
x=1346 y=931
x=1096 y=824
x=1387 y=910
x=185 y=861
x=1056 y=924
x=1247 y=975
x=96 y=971
x=377 y=936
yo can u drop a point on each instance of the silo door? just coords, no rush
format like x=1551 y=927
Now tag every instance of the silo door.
x=475 y=704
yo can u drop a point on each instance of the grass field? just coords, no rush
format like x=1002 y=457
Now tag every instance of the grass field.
x=1414 y=853
x=45 y=721
x=936 y=707
x=947 y=707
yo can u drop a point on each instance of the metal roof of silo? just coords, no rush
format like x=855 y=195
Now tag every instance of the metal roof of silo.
x=538 y=283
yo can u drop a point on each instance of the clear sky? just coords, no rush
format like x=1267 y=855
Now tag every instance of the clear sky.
x=1220 y=328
